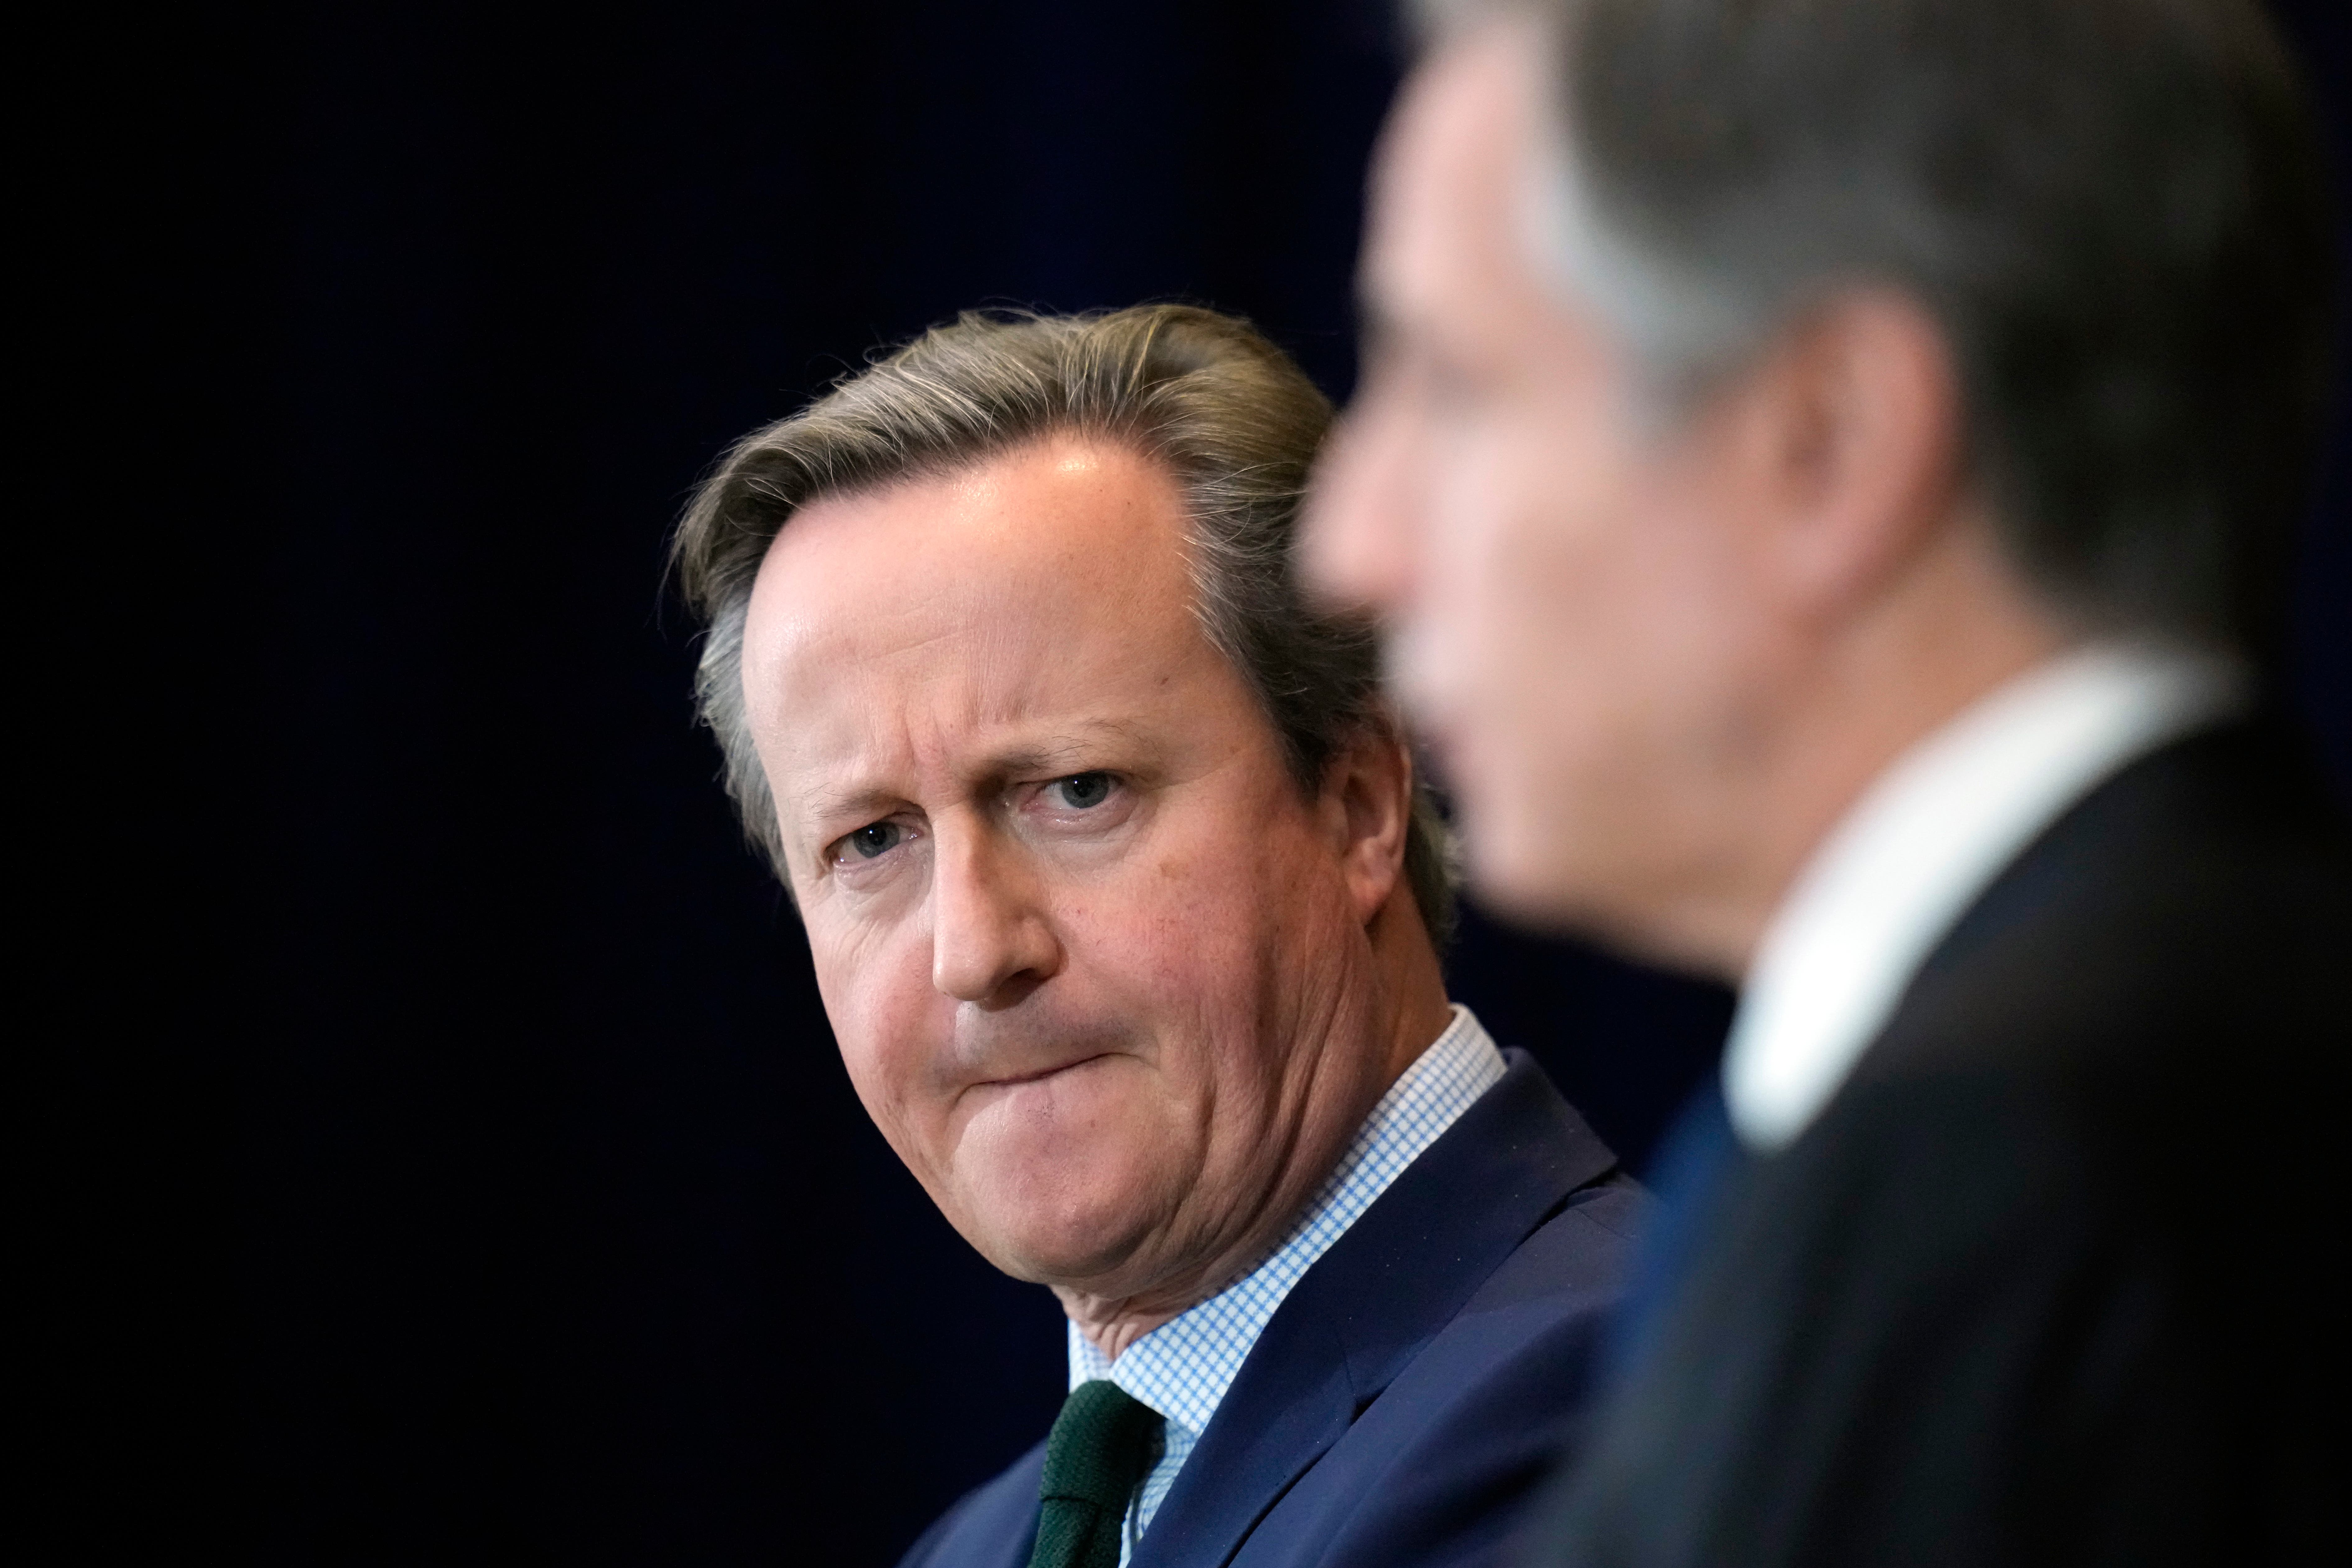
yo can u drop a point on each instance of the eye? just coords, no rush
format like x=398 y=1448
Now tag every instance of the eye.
x=873 y=838
x=1082 y=790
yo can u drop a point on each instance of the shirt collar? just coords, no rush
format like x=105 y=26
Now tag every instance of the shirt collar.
x=1918 y=847
x=1183 y=1368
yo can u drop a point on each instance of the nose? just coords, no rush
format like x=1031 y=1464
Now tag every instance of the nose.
x=1356 y=544
x=991 y=941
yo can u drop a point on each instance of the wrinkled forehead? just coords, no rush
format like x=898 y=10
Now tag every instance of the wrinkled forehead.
x=1050 y=584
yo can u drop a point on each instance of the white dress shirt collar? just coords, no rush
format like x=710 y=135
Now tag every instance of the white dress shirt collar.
x=1919 y=847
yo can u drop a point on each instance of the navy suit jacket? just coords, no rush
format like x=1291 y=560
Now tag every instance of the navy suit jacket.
x=1414 y=1387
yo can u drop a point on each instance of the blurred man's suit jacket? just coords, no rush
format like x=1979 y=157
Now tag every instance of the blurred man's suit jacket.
x=1409 y=1396
x=2052 y=1277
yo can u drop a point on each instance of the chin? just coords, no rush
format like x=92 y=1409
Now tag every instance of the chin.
x=1562 y=895
x=1071 y=1224
x=1516 y=869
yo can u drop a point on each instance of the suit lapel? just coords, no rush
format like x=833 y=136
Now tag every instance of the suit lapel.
x=1370 y=1304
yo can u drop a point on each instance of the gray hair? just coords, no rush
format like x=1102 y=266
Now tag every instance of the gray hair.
x=2114 y=210
x=1227 y=413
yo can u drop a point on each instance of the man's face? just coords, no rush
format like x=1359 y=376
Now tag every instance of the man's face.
x=1563 y=580
x=1089 y=950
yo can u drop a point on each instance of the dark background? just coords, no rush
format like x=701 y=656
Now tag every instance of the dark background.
x=558 y=1233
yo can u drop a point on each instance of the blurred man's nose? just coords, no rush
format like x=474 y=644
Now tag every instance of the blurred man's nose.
x=1356 y=547
x=991 y=941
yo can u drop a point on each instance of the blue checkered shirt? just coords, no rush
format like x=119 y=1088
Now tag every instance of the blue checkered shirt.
x=1183 y=1368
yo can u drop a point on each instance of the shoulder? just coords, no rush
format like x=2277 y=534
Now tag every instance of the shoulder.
x=1558 y=1250
x=2207 y=887
x=991 y=1526
x=2121 y=1075
x=2157 y=984
x=1510 y=1373
x=2051 y=1244
x=1574 y=1263
x=1439 y=1466
x=1997 y=1327
x=1444 y=1453
x=1534 y=1323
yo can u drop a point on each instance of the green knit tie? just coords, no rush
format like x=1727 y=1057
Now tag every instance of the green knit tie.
x=1101 y=1445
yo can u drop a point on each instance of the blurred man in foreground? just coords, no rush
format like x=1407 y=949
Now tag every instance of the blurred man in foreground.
x=1123 y=904
x=1828 y=463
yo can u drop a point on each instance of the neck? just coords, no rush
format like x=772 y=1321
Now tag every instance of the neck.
x=1957 y=627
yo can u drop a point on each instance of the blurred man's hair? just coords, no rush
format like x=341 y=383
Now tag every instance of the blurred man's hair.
x=2115 y=209
x=1225 y=411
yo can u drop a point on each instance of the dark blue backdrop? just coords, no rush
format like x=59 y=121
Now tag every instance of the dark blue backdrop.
x=561 y=1234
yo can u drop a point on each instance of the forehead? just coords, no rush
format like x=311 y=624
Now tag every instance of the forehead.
x=1059 y=524
x=940 y=620
x=1450 y=176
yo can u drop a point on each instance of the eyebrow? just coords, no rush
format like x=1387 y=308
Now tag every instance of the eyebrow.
x=835 y=806
x=1059 y=751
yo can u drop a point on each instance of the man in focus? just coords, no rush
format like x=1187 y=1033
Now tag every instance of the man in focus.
x=1125 y=905
x=1827 y=464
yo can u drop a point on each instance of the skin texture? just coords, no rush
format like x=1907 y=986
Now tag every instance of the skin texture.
x=1116 y=989
x=1656 y=659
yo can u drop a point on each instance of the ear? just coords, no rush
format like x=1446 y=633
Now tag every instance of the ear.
x=1367 y=808
x=1854 y=429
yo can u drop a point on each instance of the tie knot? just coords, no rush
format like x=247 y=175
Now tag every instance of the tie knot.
x=1100 y=1446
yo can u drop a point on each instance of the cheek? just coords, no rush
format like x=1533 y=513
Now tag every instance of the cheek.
x=1597 y=583
x=1525 y=586
x=1583 y=640
x=890 y=1022
x=1215 y=931
x=1167 y=948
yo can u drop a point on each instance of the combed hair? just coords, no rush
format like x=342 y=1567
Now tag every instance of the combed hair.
x=1225 y=411
x=2115 y=210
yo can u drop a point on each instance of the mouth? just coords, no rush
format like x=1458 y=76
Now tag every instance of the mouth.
x=1015 y=1080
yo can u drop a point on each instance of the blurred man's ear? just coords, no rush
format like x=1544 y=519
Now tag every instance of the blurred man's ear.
x=1851 y=431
